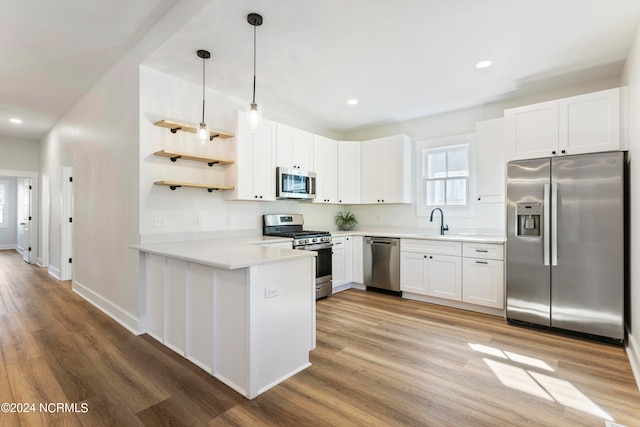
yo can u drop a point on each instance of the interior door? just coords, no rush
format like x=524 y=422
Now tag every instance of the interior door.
x=24 y=218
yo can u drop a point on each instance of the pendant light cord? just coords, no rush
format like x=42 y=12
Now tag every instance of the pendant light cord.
x=254 y=64
x=203 y=92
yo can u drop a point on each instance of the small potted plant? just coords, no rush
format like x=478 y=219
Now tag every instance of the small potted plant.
x=345 y=220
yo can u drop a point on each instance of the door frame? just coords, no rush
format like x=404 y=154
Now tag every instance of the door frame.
x=34 y=206
x=66 y=236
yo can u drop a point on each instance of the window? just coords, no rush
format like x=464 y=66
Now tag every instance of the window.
x=445 y=172
x=445 y=175
x=3 y=201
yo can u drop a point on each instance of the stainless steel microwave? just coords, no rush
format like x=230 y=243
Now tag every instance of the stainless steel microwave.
x=292 y=183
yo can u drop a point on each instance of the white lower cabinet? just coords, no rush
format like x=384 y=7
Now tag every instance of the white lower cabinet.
x=431 y=268
x=357 y=259
x=413 y=273
x=471 y=273
x=445 y=277
x=338 y=263
x=346 y=262
x=483 y=275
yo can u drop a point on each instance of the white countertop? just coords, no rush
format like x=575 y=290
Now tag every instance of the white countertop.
x=242 y=252
x=471 y=238
x=229 y=254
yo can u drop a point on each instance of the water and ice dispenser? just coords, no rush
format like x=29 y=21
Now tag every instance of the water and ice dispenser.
x=528 y=217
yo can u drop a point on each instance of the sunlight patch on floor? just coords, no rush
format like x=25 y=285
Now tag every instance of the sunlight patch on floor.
x=535 y=383
x=536 y=363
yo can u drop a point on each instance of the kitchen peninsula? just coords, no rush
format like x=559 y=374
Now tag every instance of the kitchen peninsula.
x=241 y=309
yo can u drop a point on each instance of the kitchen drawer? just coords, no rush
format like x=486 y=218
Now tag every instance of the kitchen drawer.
x=338 y=242
x=483 y=250
x=431 y=247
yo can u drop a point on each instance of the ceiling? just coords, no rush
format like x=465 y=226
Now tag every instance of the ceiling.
x=402 y=60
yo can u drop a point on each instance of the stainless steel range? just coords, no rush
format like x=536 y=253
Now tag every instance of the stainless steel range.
x=291 y=225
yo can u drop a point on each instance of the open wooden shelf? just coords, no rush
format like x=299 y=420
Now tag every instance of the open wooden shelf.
x=174 y=155
x=176 y=126
x=177 y=184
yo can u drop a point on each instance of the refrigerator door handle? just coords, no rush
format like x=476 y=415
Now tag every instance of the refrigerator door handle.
x=545 y=238
x=554 y=224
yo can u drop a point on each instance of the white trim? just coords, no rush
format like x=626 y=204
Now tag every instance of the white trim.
x=54 y=272
x=633 y=352
x=127 y=320
x=8 y=247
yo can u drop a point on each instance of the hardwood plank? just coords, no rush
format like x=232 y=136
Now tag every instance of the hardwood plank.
x=33 y=382
x=16 y=341
x=137 y=390
x=107 y=409
x=74 y=372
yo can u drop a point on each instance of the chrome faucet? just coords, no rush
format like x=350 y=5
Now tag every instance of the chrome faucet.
x=443 y=227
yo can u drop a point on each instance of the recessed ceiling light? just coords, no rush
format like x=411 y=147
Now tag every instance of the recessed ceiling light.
x=483 y=64
x=352 y=101
x=15 y=120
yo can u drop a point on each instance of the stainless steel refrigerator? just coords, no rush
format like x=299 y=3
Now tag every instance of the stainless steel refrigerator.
x=566 y=243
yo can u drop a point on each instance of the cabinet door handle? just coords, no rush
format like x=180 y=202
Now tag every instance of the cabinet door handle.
x=482 y=262
x=481 y=250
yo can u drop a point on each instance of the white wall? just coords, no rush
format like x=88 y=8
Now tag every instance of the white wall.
x=99 y=138
x=631 y=78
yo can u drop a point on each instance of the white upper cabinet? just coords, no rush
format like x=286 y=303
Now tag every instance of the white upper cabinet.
x=387 y=170
x=349 y=172
x=294 y=148
x=531 y=131
x=255 y=167
x=490 y=164
x=580 y=124
x=325 y=159
x=590 y=123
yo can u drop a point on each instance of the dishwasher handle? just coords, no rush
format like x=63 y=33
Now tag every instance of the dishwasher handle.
x=380 y=241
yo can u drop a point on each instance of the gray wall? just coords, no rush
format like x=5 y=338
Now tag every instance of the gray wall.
x=19 y=154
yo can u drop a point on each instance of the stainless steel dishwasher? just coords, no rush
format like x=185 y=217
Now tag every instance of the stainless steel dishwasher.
x=381 y=261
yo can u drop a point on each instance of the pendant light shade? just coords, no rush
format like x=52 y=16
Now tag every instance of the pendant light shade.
x=254 y=109
x=203 y=131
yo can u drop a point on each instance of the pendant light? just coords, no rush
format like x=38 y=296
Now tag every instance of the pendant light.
x=203 y=131
x=254 y=109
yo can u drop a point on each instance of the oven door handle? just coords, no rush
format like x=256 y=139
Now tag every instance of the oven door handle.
x=315 y=247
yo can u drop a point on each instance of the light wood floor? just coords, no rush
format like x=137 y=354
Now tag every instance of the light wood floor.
x=380 y=360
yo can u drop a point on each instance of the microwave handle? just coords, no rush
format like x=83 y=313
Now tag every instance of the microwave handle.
x=312 y=186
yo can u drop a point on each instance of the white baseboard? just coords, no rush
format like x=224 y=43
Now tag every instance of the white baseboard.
x=455 y=304
x=55 y=273
x=121 y=316
x=633 y=352
x=8 y=247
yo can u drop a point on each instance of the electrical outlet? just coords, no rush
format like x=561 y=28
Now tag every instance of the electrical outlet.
x=158 y=221
x=227 y=219
x=196 y=220
x=379 y=218
x=270 y=292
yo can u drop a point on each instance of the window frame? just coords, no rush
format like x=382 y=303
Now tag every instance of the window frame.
x=444 y=144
